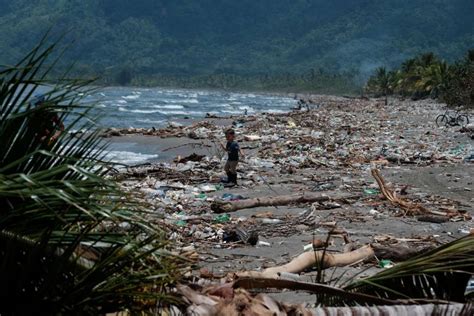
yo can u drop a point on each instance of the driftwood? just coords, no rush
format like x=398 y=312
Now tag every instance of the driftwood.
x=398 y=253
x=433 y=218
x=232 y=206
x=310 y=259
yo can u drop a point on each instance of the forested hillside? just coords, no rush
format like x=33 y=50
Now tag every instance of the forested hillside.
x=159 y=39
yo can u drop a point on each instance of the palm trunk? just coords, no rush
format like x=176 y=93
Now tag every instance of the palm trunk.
x=232 y=206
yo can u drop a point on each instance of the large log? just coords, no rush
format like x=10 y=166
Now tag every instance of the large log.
x=310 y=259
x=311 y=197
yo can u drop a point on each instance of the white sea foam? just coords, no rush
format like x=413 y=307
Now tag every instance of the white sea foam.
x=151 y=121
x=174 y=101
x=191 y=101
x=169 y=106
x=246 y=107
x=131 y=97
x=128 y=157
x=188 y=95
x=122 y=101
x=143 y=111
x=182 y=113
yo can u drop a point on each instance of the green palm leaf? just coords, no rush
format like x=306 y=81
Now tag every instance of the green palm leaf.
x=438 y=275
x=61 y=244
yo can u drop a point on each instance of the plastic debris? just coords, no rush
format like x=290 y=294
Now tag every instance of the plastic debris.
x=222 y=218
x=384 y=263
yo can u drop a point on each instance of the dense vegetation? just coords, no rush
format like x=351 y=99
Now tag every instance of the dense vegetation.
x=428 y=76
x=265 y=44
x=71 y=241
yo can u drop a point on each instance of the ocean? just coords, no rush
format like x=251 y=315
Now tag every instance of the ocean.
x=147 y=107
x=156 y=107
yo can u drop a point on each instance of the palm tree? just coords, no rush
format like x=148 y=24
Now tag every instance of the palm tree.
x=381 y=83
x=71 y=242
x=433 y=79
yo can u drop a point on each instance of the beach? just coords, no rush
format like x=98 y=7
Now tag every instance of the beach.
x=330 y=150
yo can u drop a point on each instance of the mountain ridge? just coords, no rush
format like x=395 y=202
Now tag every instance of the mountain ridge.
x=205 y=37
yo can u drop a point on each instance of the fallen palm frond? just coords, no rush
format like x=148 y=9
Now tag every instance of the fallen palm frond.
x=321 y=290
x=70 y=240
x=410 y=208
x=439 y=274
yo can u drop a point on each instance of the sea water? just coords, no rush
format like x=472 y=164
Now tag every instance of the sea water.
x=156 y=107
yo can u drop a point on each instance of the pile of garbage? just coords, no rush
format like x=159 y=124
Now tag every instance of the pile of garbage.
x=328 y=173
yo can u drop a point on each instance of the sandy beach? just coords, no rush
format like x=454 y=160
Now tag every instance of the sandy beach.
x=329 y=150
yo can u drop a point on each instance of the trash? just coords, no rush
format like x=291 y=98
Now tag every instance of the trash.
x=289 y=276
x=371 y=191
x=457 y=150
x=469 y=158
x=207 y=188
x=222 y=218
x=240 y=234
x=384 y=263
x=202 y=196
x=270 y=220
x=181 y=223
x=252 y=138
x=192 y=157
x=308 y=247
x=232 y=197
x=315 y=164
x=470 y=287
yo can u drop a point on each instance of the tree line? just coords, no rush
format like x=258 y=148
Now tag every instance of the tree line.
x=427 y=76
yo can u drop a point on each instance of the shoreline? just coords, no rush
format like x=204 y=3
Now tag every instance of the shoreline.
x=327 y=151
x=175 y=134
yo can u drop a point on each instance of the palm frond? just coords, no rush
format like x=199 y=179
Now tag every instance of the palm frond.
x=62 y=247
x=438 y=275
